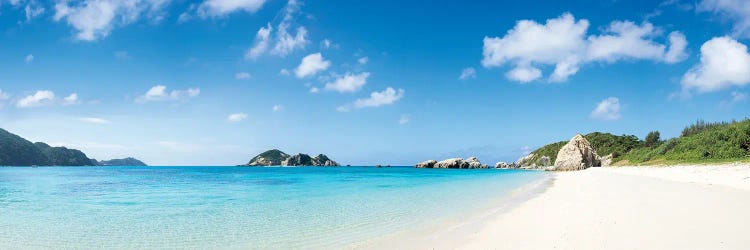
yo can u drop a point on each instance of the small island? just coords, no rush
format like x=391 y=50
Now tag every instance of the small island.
x=275 y=157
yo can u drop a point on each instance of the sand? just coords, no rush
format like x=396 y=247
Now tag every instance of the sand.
x=687 y=207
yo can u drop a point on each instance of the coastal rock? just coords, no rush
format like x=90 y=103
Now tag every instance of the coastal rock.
x=577 y=154
x=524 y=161
x=450 y=163
x=323 y=160
x=502 y=164
x=606 y=161
x=544 y=161
x=426 y=164
x=273 y=157
x=473 y=162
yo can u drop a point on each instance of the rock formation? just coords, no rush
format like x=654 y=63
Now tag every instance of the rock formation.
x=275 y=157
x=471 y=162
x=426 y=164
x=502 y=164
x=577 y=154
x=606 y=161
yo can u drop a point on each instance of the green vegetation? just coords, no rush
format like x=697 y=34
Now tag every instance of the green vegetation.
x=701 y=142
x=17 y=151
x=274 y=157
x=652 y=139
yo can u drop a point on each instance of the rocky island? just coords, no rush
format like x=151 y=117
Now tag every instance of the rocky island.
x=275 y=157
x=469 y=163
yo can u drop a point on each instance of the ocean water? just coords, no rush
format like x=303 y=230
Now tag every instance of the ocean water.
x=234 y=207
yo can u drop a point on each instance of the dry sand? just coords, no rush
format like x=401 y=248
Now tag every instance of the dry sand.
x=688 y=207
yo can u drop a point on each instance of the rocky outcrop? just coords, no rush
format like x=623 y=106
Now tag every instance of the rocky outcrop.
x=606 y=161
x=275 y=157
x=426 y=164
x=130 y=161
x=503 y=165
x=471 y=162
x=577 y=154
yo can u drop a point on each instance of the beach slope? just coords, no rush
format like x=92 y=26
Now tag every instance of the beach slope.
x=616 y=208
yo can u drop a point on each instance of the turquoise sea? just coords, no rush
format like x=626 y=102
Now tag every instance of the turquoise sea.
x=234 y=207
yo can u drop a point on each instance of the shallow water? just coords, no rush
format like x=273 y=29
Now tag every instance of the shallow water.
x=233 y=207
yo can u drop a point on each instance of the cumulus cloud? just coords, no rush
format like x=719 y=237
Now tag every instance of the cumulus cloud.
x=607 y=110
x=160 y=93
x=524 y=73
x=237 y=117
x=737 y=11
x=242 y=75
x=94 y=120
x=284 y=42
x=29 y=58
x=376 y=99
x=468 y=73
x=348 y=82
x=277 y=108
x=71 y=99
x=724 y=63
x=95 y=19
x=220 y=8
x=311 y=65
x=562 y=43
x=40 y=98
x=33 y=10
x=314 y=90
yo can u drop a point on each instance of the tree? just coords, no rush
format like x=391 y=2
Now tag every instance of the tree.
x=652 y=139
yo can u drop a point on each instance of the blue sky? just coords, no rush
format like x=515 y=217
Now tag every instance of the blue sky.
x=388 y=82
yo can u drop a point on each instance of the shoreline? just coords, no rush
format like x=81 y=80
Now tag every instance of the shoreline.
x=675 y=207
x=451 y=231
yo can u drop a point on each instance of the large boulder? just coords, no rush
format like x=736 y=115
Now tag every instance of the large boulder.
x=426 y=164
x=450 y=163
x=502 y=164
x=473 y=162
x=577 y=154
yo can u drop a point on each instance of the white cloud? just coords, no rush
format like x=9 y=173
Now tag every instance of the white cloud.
x=262 y=39
x=405 y=118
x=32 y=10
x=277 y=108
x=468 y=73
x=40 y=98
x=4 y=95
x=236 y=117
x=737 y=11
x=160 y=93
x=284 y=72
x=326 y=44
x=724 y=63
x=607 y=110
x=219 y=8
x=284 y=42
x=311 y=65
x=561 y=42
x=348 y=83
x=71 y=99
x=363 y=60
x=29 y=58
x=94 y=120
x=242 y=75
x=524 y=73
x=314 y=90
x=95 y=19
x=376 y=99
x=677 y=45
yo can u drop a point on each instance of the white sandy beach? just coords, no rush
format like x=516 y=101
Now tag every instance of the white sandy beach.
x=685 y=207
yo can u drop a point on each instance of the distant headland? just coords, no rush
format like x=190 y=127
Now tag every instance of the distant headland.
x=17 y=151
